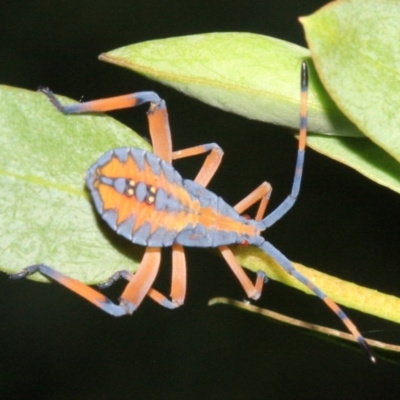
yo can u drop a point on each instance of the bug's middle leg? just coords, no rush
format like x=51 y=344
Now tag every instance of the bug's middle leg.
x=207 y=171
x=211 y=163
x=204 y=176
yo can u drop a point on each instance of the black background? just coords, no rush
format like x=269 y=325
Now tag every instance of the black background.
x=54 y=345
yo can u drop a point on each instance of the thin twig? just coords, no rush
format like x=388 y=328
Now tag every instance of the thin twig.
x=301 y=324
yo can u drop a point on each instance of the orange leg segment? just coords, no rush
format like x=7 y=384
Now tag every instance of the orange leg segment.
x=252 y=291
x=178 y=281
x=152 y=293
x=261 y=194
x=160 y=132
x=145 y=276
x=211 y=163
x=142 y=280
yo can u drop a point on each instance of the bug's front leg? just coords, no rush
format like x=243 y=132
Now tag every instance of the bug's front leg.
x=157 y=115
x=139 y=285
x=95 y=297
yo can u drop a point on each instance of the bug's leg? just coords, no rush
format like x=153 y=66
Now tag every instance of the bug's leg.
x=157 y=115
x=178 y=286
x=261 y=194
x=207 y=171
x=178 y=281
x=290 y=269
x=152 y=293
x=162 y=146
x=142 y=280
x=96 y=298
x=253 y=291
x=211 y=163
x=288 y=203
x=203 y=177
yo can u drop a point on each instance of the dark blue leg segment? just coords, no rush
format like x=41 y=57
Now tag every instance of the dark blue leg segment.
x=123 y=274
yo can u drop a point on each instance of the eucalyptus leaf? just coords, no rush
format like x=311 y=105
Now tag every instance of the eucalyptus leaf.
x=252 y=75
x=356 y=50
x=46 y=214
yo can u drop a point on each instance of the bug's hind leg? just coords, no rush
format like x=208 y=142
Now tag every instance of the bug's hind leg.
x=253 y=291
x=95 y=297
x=261 y=194
x=139 y=285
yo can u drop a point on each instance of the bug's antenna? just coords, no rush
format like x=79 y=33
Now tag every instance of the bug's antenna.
x=303 y=106
x=288 y=203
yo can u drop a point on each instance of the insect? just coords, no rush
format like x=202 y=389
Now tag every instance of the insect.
x=144 y=199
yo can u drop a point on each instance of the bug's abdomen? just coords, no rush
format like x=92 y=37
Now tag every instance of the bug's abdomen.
x=144 y=199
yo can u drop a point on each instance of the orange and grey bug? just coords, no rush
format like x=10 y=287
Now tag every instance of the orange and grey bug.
x=143 y=198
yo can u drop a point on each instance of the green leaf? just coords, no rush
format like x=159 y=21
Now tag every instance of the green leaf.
x=252 y=75
x=257 y=77
x=46 y=214
x=356 y=49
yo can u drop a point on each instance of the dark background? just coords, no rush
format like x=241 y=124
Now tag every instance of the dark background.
x=54 y=345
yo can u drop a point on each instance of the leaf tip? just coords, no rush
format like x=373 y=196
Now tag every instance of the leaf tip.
x=102 y=57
